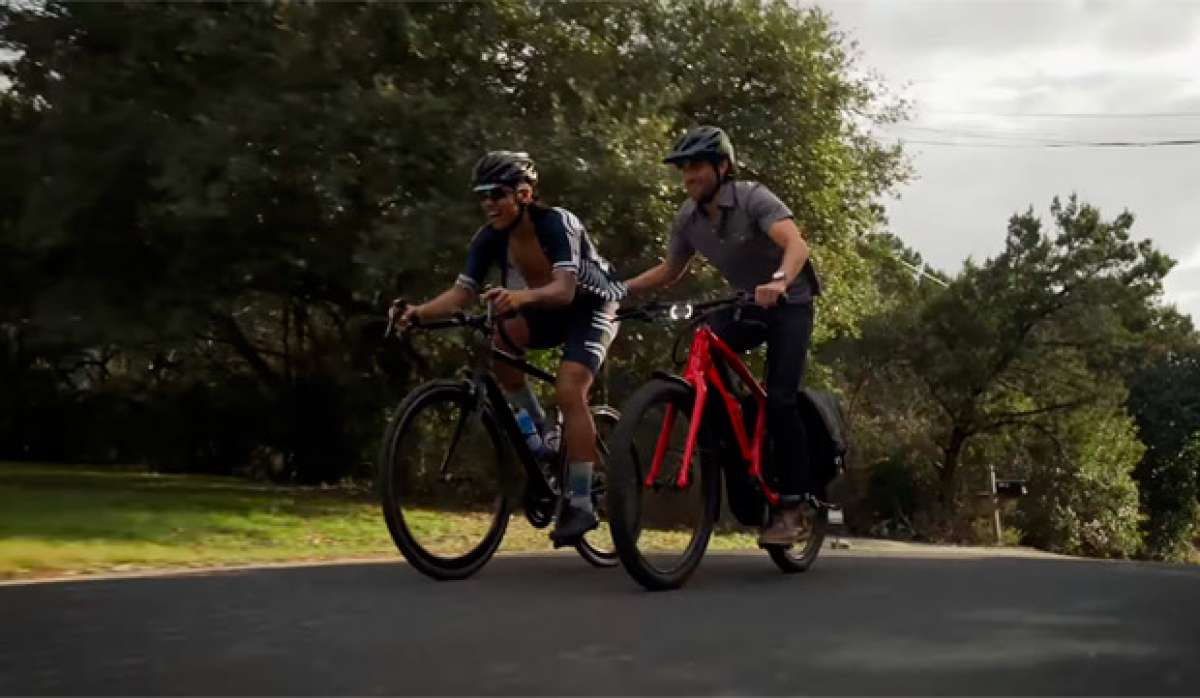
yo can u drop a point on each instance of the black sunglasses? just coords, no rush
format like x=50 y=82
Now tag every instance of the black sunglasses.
x=495 y=194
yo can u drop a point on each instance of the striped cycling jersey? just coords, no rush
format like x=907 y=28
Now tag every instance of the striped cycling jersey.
x=565 y=243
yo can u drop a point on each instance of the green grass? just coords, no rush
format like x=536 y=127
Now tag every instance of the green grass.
x=76 y=520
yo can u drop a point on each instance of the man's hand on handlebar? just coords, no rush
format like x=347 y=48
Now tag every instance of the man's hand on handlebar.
x=768 y=295
x=401 y=316
x=505 y=301
x=684 y=310
x=404 y=314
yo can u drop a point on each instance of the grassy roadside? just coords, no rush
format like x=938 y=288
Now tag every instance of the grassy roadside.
x=77 y=520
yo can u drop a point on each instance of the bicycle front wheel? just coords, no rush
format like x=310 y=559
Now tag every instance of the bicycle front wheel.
x=440 y=480
x=660 y=530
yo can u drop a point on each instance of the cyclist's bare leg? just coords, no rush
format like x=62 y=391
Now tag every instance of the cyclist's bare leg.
x=571 y=392
x=511 y=378
x=571 y=389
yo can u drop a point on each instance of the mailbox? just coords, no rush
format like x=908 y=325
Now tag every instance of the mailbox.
x=1011 y=489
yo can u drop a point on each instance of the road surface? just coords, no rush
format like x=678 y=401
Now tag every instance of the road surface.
x=858 y=622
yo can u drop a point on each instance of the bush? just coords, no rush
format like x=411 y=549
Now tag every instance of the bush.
x=1085 y=502
x=1171 y=498
x=1165 y=400
x=892 y=491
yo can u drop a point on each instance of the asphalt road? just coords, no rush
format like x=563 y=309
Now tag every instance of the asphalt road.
x=858 y=623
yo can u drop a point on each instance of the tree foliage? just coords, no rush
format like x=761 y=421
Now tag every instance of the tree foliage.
x=1165 y=399
x=1015 y=352
x=207 y=204
x=1083 y=499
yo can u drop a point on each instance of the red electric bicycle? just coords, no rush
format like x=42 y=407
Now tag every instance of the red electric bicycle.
x=664 y=487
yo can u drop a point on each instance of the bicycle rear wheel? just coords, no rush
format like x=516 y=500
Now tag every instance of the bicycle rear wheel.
x=801 y=555
x=660 y=531
x=440 y=480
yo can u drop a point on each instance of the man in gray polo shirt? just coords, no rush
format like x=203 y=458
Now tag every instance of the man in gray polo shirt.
x=750 y=236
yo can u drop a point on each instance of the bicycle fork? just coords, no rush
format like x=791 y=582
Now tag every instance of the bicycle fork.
x=697 y=369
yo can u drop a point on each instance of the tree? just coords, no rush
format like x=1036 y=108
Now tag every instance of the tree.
x=214 y=200
x=1083 y=499
x=1041 y=330
x=1165 y=400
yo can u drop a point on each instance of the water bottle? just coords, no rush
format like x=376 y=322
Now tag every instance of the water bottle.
x=529 y=430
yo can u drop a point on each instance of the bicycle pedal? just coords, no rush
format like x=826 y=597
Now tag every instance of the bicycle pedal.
x=821 y=504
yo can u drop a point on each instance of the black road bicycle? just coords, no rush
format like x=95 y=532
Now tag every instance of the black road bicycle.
x=450 y=447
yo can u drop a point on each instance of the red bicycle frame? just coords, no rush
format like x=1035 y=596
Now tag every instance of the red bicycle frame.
x=701 y=371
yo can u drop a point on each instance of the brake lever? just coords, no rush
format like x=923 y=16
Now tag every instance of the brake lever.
x=392 y=331
x=400 y=305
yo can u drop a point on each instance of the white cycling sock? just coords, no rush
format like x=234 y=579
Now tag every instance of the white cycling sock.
x=579 y=484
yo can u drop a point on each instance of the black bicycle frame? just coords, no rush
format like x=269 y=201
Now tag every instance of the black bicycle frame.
x=481 y=380
x=485 y=380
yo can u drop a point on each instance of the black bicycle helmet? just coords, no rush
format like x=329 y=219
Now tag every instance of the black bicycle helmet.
x=503 y=168
x=702 y=143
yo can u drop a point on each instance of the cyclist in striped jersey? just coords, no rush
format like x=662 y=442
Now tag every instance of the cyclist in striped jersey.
x=564 y=293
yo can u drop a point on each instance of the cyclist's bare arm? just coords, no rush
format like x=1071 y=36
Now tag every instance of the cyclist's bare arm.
x=445 y=304
x=559 y=292
x=787 y=235
x=665 y=273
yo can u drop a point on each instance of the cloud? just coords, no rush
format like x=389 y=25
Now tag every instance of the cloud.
x=918 y=34
x=1001 y=56
x=964 y=27
x=1183 y=290
x=970 y=66
x=1136 y=29
x=1189 y=261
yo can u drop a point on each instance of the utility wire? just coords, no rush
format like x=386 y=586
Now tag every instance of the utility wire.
x=1031 y=137
x=1073 y=115
x=1061 y=144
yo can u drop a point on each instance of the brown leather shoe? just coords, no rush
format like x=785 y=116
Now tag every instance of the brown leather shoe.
x=786 y=526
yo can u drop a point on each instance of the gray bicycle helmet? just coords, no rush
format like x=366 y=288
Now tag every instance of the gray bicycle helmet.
x=702 y=143
x=503 y=168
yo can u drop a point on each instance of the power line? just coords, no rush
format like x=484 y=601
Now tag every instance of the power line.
x=1073 y=115
x=1064 y=144
x=1048 y=138
x=917 y=272
x=1031 y=137
x=920 y=273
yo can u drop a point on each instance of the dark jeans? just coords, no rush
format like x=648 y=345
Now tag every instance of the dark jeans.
x=786 y=329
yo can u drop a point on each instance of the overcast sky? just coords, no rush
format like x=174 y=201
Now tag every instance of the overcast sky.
x=988 y=76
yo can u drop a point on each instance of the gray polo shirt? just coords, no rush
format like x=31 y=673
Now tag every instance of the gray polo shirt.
x=738 y=245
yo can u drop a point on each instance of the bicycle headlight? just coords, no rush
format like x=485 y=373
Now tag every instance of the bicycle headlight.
x=680 y=311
